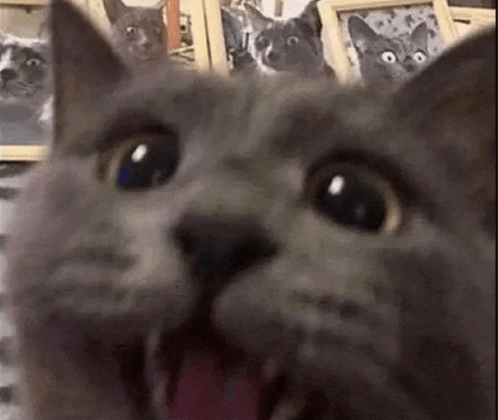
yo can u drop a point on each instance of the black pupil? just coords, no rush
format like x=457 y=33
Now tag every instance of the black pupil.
x=351 y=202
x=148 y=164
x=262 y=43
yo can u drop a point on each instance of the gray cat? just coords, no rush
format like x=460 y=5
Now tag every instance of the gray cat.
x=138 y=33
x=214 y=248
x=293 y=45
x=388 y=61
x=26 y=86
x=25 y=71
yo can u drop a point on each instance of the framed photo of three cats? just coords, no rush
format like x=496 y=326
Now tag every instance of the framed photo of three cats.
x=372 y=42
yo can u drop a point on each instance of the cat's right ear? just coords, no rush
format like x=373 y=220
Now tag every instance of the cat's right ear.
x=85 y=66
x=114 y=9
x=361 y=34
x=257 y=20
x=454 y=98
x=419 y=35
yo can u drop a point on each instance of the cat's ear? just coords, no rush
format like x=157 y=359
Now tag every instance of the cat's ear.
x=419 y=36
x=361 y=34
x=84 y=65
x=233 y=29
x=311 y=16
x=114 y=9
x=454 y=100
x=257 y=20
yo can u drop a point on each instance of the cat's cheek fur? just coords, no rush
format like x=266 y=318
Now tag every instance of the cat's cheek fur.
x=121 y=272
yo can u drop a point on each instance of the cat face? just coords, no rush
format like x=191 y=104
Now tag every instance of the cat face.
x=137 y=32
x=25 y=71
x=388 y=60
x=292 y=45
x=205 y=248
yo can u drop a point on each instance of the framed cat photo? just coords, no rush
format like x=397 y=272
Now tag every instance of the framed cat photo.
x=259 y=36
x=26 y=83
x=145 y=32
x=384 y=42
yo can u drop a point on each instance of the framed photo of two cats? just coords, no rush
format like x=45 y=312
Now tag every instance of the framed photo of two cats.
x=367 y=41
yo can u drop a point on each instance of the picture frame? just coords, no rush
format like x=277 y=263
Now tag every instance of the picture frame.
x=18 y=150
x=215 y=30
x=196 y=54
x=470 y=19
x=24 y=19
x=334 y=12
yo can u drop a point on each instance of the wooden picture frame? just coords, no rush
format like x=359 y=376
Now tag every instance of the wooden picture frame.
x=470 y=19
x=13 y=150
x=172 y=10
x=335 y=47
x=215 y=34
x=24 y=19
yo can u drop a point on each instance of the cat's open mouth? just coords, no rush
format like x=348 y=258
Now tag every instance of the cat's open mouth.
x=200 y=380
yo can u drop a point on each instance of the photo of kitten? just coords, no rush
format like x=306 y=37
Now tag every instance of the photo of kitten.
x=388 y=46
x=138 y=33
x=260 y=248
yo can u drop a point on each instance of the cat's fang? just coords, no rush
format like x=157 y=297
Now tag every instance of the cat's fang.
x=288 y=409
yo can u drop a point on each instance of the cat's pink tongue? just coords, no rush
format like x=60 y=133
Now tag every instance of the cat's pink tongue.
x=205 y=394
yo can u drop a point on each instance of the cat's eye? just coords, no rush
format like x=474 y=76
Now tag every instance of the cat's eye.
x=389 y=57
x=292 y=40
x=144 y=161
x=262 y=42
x=355 y=198
x=33 y=62
x=131 y=30
x=420 y=57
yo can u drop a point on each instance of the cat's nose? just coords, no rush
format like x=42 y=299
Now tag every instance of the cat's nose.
x=273 y=56
x=409 y=65
x=218 y=247
x=7 y=74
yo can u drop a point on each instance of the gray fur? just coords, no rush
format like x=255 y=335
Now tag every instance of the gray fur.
x=233 y=252
x=138 y=33
x=388 y=61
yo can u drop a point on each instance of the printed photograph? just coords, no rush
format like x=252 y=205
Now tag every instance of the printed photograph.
x=26 y=82
x=387 y=46
x=138 y=32
x=258 y=40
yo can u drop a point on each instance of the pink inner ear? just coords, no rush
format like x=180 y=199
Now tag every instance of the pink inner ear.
x=205 y=394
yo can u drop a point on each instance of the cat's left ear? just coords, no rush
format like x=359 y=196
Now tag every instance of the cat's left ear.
x=85 y=66
x=257 y=20
x=311 y=16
